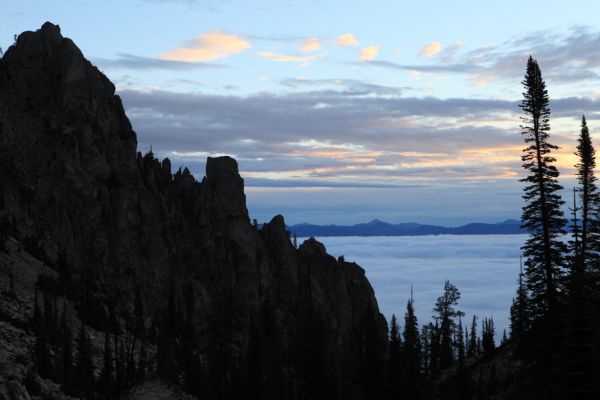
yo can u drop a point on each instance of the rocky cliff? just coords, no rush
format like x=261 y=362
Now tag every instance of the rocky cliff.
x=132 y=253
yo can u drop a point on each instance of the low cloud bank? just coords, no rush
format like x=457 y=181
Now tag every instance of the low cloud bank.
x=484 y=268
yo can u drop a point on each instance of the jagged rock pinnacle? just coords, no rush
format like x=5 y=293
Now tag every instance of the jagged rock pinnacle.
x=227 y=187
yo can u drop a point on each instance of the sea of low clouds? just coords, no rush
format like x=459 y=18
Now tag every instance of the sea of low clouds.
x=485 y=269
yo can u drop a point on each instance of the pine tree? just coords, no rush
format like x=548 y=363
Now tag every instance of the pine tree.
x=413 y=351
x=445 y=313
x=394 y=383
x=589 y=244
x=542 y=215
x=519 y=318
x=578 y=353
x=472 y=345
x=575 y=243
x=460 y=344
x=426 y=356
x=434 y=349
x=84 y=364
x=504 y=337
x=487 y=337
x=463 y=389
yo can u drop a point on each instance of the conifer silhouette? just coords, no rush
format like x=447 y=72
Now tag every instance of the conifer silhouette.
x=413 y=352
x=394 y=366
x=542 y=215
x=589 y=246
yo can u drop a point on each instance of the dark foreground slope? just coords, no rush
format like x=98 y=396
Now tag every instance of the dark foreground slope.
x=167 y=268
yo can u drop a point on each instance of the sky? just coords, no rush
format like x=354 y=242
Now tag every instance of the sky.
x=483 y=268
x=342 y=111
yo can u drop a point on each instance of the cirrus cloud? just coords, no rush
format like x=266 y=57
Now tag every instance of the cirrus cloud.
x=311 y=44
x=430 y=49
x=208 y=46
x=303 y=60
x=134 y=62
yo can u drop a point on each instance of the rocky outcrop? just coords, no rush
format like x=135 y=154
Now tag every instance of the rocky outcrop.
x=124 y=239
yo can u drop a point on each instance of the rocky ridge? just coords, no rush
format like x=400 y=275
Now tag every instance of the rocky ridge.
x=117 y=232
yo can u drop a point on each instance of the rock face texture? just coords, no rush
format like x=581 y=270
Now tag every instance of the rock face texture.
x=135 y=250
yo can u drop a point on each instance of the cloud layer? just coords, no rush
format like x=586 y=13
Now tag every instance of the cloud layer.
x=345 y=130
x=328 y=132
x=484 y=268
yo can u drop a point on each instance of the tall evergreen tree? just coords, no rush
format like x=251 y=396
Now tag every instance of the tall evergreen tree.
x=413 y=353
x=575 y=242
x=589 y=241
x=579 y=345
x=488 y=343
x=463 y=386
x=426 y=356
x=445 y=314
x=519 y=318
x=460 y=344
x=472 y=345
x=542 y=215
x=394 y=370
x=434 y=349
x=504 y=338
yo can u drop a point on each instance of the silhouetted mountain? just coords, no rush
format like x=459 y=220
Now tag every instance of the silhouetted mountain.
x=380 y=228
x=117 y=271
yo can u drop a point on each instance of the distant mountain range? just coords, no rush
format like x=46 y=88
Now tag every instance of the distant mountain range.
x=381 y=228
